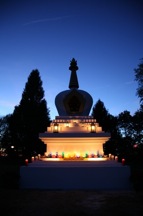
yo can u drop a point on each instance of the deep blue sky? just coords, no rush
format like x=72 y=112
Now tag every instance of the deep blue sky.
x=104 y=36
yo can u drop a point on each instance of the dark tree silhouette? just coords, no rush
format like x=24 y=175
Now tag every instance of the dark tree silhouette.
x=5 y=135
x=138 y=126
x=125 y=123
x=109 y=124
x=139 y=79
x=30 y=117
x=101 y=115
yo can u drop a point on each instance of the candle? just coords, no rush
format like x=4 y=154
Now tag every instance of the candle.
x=26 y=162
x=123 y=161
x=33 y=158
x=109 y=156
x=116 y=158
x=112 y=157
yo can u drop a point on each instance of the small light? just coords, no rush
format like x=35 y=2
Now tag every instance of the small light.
x=135 y=145
x=67 y=124
x=116 y=158
x=110 y=156
x=56 y=128
x=92 y=127
x=26 y=162
x=123 y=161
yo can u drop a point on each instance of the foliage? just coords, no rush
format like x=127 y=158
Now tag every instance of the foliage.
x=139 y=79
x=109 y=124
x=138 y=126
x=125 y=123
x=5 y=134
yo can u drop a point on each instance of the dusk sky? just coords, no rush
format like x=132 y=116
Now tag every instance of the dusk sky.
x=104 y=36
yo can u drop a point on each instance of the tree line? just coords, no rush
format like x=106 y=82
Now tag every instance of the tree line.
x=126 y=130
x=19 y=131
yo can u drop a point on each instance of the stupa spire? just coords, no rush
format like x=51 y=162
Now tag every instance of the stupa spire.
x=73 y=78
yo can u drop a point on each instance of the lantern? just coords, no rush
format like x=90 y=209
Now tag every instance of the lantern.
x=56 y=128
x=92 y=128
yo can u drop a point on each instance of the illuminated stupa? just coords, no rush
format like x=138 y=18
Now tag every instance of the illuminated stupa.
x=74 y=134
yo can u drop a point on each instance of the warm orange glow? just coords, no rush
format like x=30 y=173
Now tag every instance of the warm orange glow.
x=74 y=145
x=75 y=137
x=92 y=127
x=56 y=128
x=95 y=159
x=74 y=159
x=74 y=156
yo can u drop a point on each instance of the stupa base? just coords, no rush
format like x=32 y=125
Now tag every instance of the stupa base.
x=75 y=175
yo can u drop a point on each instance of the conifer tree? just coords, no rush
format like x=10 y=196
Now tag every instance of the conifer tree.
x=30 y=117
x=100 y=113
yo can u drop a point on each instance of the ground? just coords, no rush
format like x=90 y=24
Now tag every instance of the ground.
x=38 y=202
x=20 y=202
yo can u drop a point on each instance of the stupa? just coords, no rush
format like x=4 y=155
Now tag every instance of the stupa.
x=74 y=157
x=74 y=133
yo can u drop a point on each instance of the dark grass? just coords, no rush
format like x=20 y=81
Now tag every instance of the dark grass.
x=18 y=202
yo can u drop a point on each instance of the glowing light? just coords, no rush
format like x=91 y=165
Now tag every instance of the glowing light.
x=92 y=127
x=95 y=159
x=116 y=158
x=56 y=128
x=26 y=162
x=110 y=156
x=51 y=159
x=135 y=145
x=123 y=161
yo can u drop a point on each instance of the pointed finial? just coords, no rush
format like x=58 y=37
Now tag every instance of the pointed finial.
x=73 y=65
x=73 y=79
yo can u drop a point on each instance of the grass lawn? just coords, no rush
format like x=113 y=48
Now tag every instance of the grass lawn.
x=18 y=202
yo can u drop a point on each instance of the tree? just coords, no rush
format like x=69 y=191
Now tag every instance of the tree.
x=138 y=127
x=5 y=135
x=30 y=117
x=139 y=79
x=101 y=115
x=125 y=124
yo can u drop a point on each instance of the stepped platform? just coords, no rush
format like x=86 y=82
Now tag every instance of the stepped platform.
x=75 y=175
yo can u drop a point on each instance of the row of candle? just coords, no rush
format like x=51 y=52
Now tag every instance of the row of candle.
x=72 y=155
x=113 y=157
x=32 y=159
